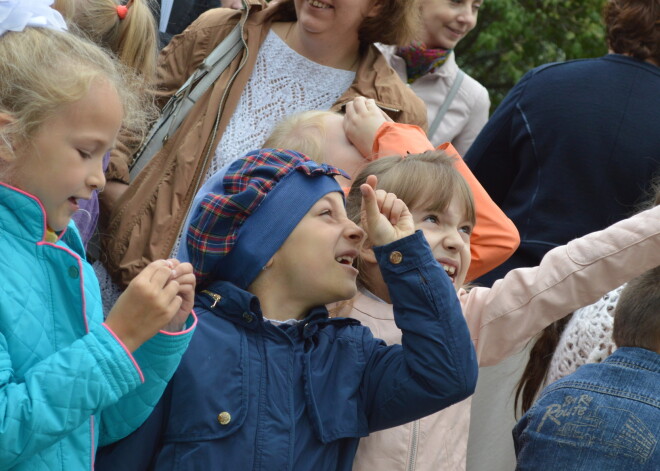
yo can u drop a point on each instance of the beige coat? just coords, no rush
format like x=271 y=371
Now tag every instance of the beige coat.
x=148 y=218
x=468 y=112
x=502 y=319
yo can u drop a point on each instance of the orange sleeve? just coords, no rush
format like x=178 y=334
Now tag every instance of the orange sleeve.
x=494 y=237
x=398 y=139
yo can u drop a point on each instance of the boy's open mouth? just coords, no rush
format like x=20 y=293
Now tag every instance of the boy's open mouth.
x=345 y=260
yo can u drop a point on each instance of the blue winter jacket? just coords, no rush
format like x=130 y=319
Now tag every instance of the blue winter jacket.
x=251 y=395
x=66 y=382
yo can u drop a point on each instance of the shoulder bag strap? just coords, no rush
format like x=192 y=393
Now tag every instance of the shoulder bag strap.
x=178 y=106
x=445 y=105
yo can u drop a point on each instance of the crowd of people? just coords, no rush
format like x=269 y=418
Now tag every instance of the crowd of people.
x=303 y=272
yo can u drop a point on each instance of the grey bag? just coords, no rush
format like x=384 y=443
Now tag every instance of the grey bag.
x=177 y=108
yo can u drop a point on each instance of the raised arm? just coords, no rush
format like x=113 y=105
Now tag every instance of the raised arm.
x=505 y=317
x=435 y=366
x=495 y=237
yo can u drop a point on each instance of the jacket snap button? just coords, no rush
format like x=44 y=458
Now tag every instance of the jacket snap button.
x=247 y=317
x=73 y=272
x=224 y=418
x=396 y=257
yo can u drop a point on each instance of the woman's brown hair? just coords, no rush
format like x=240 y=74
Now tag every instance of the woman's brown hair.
x=397 y=21
x=633 y=27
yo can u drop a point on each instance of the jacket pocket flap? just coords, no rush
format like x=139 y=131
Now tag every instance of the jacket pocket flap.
x=210 y=388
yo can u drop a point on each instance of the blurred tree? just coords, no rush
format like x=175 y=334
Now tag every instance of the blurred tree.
x=514 y=36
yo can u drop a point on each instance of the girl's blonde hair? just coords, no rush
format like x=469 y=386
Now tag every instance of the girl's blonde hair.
x=303 y=132
x=43 y=70
x=134 y=39
x=427 y=180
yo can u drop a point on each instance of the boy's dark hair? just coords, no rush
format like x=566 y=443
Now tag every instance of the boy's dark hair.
x=637 y=314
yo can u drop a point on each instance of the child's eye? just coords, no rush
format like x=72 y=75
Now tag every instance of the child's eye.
x=84 y=155
x=326 y=212
x=466 y=229
x=431 y=218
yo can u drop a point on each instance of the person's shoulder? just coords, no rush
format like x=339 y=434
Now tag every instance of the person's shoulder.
x=474 y=88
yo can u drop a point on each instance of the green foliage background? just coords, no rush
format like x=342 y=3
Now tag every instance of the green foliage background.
x=513 y=37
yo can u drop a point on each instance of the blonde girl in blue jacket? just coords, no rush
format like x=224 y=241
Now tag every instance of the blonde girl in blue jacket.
x=69 y=381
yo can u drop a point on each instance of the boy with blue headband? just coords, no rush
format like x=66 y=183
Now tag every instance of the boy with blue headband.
x=269 y=380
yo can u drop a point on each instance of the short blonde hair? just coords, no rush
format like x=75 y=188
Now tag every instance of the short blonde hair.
x=43 y=70
x=303 y=132
x=134 y=39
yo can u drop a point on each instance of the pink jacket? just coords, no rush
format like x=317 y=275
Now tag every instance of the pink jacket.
x=502 y=319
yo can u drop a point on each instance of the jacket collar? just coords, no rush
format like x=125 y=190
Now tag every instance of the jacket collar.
x=225 y=299
x=448 y=69
x=23 y=216
x=636 y=357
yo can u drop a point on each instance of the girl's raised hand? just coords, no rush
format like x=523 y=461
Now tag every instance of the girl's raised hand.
x=383 y=216
x=160 y=297
x=361 y=123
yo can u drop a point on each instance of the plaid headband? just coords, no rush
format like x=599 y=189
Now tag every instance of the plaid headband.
x=235 y=230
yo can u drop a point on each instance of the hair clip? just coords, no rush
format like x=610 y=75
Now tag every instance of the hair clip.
x=122 y=10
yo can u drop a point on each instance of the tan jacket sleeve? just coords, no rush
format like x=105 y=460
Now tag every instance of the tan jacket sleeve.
x=505 y=317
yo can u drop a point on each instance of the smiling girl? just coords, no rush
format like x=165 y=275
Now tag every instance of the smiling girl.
x=429 y=66
x=501 y=319
x=68 y=380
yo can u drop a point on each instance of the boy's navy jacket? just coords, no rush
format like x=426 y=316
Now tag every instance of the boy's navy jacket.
x=252 y=395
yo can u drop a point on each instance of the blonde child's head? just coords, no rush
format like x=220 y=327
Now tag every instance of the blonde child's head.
x=43 y=70
x=56 y=81
x=319 y=135
x=438 y=197
x=129 y=30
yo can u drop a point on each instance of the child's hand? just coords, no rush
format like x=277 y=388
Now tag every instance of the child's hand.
x=158 y=296
x=362 y=120
x=383 y=216
x=183 y=274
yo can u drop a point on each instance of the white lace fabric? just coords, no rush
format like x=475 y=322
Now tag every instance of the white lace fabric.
x=282 y=83
x=587 y=337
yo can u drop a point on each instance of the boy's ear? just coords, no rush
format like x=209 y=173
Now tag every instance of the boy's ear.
x=367 y=253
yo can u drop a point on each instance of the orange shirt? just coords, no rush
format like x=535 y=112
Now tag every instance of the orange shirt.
x=495 y=237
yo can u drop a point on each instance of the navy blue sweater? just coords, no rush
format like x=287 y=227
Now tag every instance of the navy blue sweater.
x=571 y=150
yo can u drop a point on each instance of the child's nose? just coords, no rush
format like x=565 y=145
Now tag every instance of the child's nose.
x=453 y=241
x=354 y=232
x=96 y=179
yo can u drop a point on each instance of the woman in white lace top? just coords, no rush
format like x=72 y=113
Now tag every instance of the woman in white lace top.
x=298 y=55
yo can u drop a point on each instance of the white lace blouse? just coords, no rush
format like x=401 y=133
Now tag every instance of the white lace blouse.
x=282 y=83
